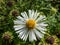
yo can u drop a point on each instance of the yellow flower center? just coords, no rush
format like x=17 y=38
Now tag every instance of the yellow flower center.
x=30 y=24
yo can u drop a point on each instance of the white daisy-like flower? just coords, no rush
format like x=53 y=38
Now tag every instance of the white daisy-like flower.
x=30 y=25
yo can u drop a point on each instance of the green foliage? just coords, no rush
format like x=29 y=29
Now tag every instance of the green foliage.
x=6 y=20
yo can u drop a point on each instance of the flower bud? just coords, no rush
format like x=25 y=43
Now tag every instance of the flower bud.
x=14 y=13
x=7 y=36
x=53 y=10
x=50 y=39
x=9 y=3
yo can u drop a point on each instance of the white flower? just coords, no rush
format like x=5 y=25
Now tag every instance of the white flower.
x=30 y=25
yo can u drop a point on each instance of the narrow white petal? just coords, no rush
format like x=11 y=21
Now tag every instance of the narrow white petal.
x=20 y=31
x=24 y=14
x=42 y=25
x=21 y=34
x=18 y=22
x=30 y=12
x=17 y=27
x=26 y=35
x=22 y=37
x=20 y=18
x=42 y=30
x=40 y=18
x=36 y=15
x=30 y=36
x=33 y=35
x=38 y=34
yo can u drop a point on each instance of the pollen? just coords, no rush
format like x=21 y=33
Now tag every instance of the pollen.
x=30 y=24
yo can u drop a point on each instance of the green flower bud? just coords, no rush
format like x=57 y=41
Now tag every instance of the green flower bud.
x=53 y=10
x=7 y=36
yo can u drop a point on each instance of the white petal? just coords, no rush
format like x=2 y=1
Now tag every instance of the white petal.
x=36 y=15
x=20 y=18
x=20 y=30
x=42 y=24
x=38 y=34
x=26 y=35
x=40 y=18
x=18 y=22
x=24 y=14
x=42 y=30
x=21 y=34
x=30 y=12
x=22 y=37
x=17 y=27
x=32 y=36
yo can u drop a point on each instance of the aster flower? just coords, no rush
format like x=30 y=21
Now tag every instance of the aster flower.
x=30 y=25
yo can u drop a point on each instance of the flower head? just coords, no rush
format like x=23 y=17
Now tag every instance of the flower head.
x=30 y=25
